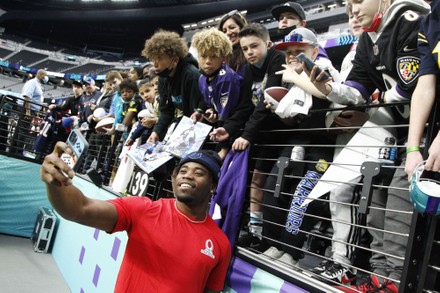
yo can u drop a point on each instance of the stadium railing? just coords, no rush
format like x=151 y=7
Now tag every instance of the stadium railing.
x=421 y=263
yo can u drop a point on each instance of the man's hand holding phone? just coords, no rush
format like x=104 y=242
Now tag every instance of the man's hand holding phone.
x=54 y=170
x=79 y=146
x=60 y=166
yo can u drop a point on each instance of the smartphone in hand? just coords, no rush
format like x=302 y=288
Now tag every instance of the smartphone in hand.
x=79 y=146
x=310 y=64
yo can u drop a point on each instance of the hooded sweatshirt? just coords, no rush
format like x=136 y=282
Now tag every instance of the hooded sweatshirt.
x=260 y=78
x=180 y=91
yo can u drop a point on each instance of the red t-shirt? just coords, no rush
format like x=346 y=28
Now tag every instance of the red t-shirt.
x=166 y=252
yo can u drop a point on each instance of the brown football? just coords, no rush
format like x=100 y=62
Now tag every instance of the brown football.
x=276 y=92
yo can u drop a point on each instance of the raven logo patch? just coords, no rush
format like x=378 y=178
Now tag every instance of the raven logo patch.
x=224 y=101
x=408 y=68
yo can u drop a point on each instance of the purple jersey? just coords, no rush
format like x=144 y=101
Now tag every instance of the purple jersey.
x=223 y=92
x=428 y=42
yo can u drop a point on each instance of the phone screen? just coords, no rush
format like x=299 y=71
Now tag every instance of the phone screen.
x=70 y=160
x=310 y=64
x=79 y=146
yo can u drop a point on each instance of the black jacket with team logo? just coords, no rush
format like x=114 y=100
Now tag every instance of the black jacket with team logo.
x=261 y=78
x=387 y=60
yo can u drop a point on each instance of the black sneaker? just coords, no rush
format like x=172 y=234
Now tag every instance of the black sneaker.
x=338 y=274
x=322 y=267
x=252 y=242
x=259 y=248
x=248 y=240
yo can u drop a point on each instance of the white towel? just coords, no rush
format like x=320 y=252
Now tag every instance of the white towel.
x=296 y=101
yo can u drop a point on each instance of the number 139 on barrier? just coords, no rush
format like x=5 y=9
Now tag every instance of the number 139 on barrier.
x=138 y=184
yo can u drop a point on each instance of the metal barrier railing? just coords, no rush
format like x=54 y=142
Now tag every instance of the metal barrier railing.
x=18 y=129
x=420 y=264
x=422 y=259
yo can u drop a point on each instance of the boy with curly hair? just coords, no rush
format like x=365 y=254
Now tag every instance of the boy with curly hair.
x=178 y=79
x=221 y=87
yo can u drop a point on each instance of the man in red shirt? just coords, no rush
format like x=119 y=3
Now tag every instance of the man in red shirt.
x=173 y=244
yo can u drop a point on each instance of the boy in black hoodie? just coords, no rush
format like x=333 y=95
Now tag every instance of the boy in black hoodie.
x=263 y=63
x=178 y=79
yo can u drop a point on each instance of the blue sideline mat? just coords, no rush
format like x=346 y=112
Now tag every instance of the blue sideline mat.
x=21 y=194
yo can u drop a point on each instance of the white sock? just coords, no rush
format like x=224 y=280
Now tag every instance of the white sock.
x=256 y=217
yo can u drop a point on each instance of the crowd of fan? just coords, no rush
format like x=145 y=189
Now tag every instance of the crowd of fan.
x=225 y=85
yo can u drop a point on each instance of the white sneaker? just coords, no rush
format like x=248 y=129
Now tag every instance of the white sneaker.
x=287 y=259
x=273 y=252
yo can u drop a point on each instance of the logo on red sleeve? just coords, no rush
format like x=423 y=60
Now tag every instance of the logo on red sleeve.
x=408 y=68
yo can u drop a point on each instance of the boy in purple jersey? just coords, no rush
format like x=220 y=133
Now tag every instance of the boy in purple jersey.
x=219 y=84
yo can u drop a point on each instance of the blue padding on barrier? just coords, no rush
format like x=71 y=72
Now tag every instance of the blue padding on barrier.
x=21 y=194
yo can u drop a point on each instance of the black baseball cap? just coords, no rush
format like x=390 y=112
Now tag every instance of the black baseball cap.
x=77 y=82
x=289 y=7
x=210 y=159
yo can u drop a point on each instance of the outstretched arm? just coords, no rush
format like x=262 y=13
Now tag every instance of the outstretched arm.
x=421 y=105
x=68 y=200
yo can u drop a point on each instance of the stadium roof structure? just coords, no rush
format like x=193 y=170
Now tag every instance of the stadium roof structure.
x=111 y=24
x=115 y=24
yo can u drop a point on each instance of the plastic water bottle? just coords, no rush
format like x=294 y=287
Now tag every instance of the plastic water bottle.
x=297 y=153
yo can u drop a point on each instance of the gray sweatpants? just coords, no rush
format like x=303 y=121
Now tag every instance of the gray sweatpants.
x=388 y=222
x=344 y=218
x=393 y=219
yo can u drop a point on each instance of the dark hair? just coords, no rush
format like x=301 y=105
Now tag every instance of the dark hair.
x=151 y=73
x=255 y=29
x=148 y=68
x=239 y=19
x=139 y=71
x=237 y=59
x=128 y=84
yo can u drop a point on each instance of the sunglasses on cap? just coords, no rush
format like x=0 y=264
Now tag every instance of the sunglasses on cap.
x=235 y=12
